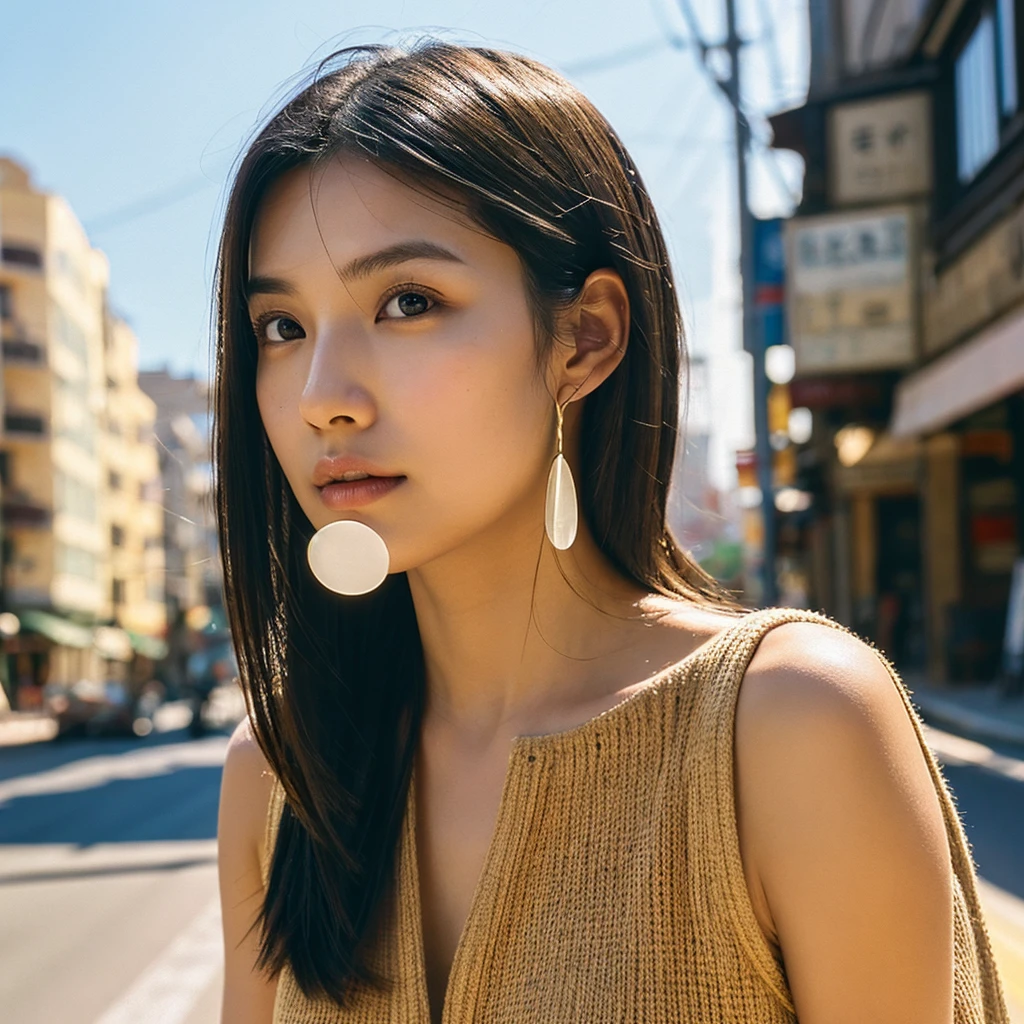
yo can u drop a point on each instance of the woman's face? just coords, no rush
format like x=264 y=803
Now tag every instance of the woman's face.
x=393 y=329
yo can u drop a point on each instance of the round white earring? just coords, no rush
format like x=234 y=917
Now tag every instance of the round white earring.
x=561 y=514
x=348 y=557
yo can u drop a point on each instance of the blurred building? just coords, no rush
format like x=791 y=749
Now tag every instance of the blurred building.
x=64 y=359
x=193 y=575
x=134 y=493
x=905 y=299
x=694 y=509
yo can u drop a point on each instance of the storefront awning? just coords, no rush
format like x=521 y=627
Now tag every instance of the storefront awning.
x=971 y=377
x=60 y=631
x=151 y=647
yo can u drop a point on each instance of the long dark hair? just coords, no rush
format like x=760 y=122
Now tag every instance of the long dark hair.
x=335 y=685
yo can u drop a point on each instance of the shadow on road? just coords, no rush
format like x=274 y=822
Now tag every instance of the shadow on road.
x=178 y=804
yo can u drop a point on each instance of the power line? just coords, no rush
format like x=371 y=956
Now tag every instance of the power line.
x=150 y=204
x=619 y=58
x=694 y=27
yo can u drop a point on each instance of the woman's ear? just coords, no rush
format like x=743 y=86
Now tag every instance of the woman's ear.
x=593 y=334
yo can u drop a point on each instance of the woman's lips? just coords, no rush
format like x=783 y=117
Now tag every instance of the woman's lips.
x=342 y=495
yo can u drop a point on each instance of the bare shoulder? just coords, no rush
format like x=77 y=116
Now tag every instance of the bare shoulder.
x=244 y=752
x=841 y=830
x=246 y=786
x=812 y=668
x=248 y=995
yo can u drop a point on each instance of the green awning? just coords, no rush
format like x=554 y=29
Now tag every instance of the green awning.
x=60 y=631
x=151 y=647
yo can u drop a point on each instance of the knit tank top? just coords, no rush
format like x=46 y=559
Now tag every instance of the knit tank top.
x=613 y=888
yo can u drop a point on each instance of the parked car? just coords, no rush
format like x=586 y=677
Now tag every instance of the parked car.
x=92 y=707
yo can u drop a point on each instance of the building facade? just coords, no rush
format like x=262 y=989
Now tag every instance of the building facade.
x=193 y=579
x=905 y=293
x=64 y=361
x=134 y=493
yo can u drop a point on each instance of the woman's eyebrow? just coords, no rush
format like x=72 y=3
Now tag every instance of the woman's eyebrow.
x=362 y=266
x=401 y=252
x=267 y=286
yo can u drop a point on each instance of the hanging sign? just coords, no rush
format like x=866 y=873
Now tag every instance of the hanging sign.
x=850 y=295
x=880 y=149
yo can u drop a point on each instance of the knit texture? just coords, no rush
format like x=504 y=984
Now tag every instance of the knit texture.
x=613 y=889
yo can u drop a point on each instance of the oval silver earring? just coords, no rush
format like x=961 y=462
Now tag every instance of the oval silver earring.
x=561 y=513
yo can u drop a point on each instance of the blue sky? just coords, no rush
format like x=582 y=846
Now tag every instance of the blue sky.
x=135 y=112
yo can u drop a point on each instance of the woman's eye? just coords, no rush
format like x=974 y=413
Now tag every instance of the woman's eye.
x=407 y=304
x=280 y=328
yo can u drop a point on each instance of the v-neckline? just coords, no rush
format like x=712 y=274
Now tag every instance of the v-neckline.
x=476 y=899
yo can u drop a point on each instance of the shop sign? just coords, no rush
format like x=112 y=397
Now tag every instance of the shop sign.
x=838 y=392
x=769 y=281
x=880 y=149
x=850 y=297
x=977 y=287
x=900 y=476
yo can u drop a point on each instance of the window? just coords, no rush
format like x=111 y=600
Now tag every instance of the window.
x=73 y=497
x=986 y=88
x=6 y=304
x=977 y=110
x=118 y=591
x=24 y=423
x=21 y=256
x=17 y=350
x=114 y=480
x=69 y=333
x=73 y=418
x=117 y=535
x=1007 y=27
x=76 y=562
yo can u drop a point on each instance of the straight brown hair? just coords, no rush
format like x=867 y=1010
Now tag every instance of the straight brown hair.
x=335 y=685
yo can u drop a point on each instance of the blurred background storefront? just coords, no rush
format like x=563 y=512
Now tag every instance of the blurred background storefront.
x=905 y=310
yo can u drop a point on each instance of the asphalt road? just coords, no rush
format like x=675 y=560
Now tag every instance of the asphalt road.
x=108 y=889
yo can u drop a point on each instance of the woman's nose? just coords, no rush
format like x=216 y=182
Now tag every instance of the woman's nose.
x=335 y=390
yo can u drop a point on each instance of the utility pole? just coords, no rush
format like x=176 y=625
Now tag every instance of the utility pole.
x=753 y=332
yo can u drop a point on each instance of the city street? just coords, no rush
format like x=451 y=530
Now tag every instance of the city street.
x=108 y=879
x=108 y=889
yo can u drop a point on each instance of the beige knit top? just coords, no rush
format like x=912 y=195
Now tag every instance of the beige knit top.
x=613 y=889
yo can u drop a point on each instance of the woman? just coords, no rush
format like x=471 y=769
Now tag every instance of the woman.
x=513 y=776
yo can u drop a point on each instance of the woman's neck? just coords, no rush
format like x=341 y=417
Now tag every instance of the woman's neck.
x=492 y=668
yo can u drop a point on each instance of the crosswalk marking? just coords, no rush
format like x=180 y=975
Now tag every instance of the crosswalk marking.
x=168 y=989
